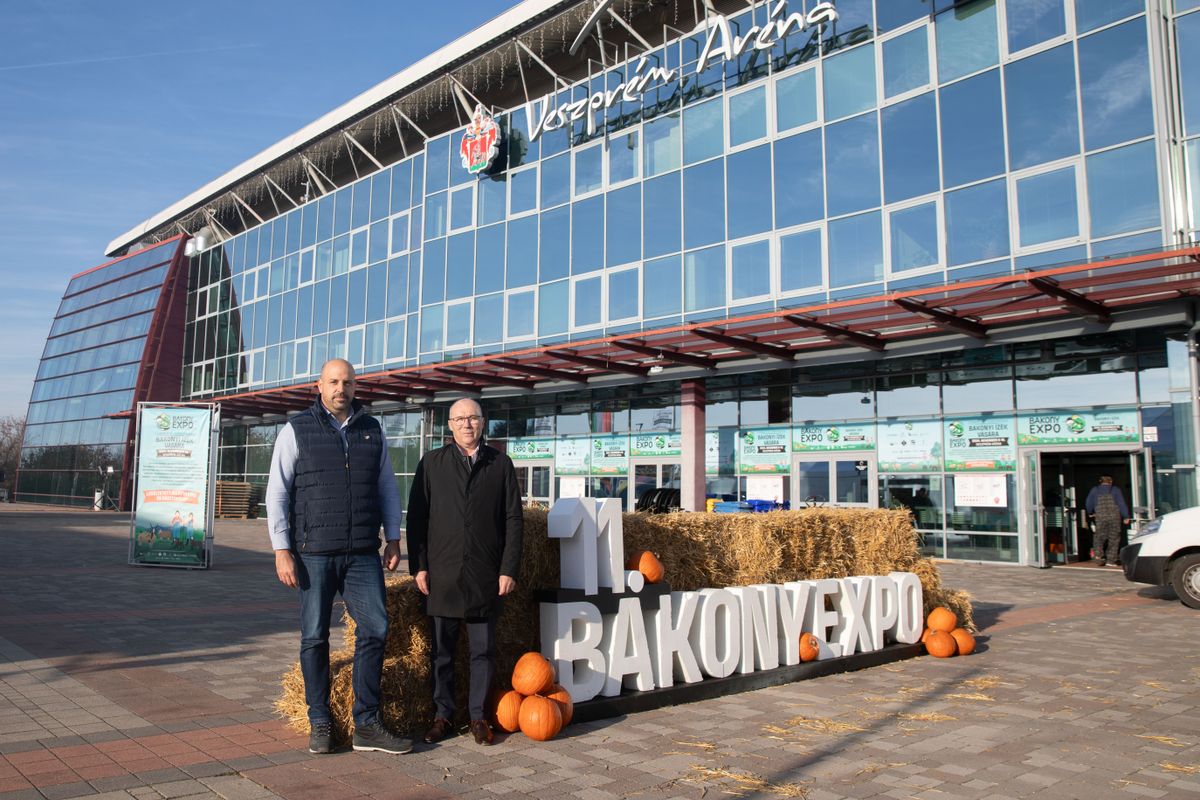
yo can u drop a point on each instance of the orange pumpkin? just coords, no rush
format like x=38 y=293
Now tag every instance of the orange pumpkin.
x=810 y=647
x=533 y=674
x=540 y=718
x=925 y=635
x=941 y=645
x=942 y=619
x=965 y=641
x=646 y=563
x=565 y=705
x=508 y=711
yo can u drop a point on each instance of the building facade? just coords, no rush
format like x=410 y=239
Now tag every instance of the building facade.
x=887 y=253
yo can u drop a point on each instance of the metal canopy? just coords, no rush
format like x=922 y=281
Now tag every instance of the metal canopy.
x=976 y=308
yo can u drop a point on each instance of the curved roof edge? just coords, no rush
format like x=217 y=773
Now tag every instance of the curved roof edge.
x=434 y=62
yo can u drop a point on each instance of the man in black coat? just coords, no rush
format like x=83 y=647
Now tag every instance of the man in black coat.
x=464 y=548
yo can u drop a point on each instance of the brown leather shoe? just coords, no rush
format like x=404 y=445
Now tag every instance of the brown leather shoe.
x=481 y=731
x=440 y=729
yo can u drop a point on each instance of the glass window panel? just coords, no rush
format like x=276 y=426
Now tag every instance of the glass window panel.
x=555 y=244
x=381 y=195
x=972 y=129
x=437 y=165
x=1042 y=116
x=624 y=160
x=522 y=251
x=589 y=169
x=460 y=265
x=431 y=328
x=1124 y=245
x=910 y=156
x=337 y=303
x=905 y=62
x=850 y=82
x=750 y=265
x=704 y=279
x=1123 y=189
x=489 y=319
x=492 y=200
x=401 y=186
x=587 y=302
x=704 y=203
x=489 y=259
x=891 y=14
x=435 y=216
x=624 y=225
x=1187 y=32
x=800 y=261
x=747 y=117
x=379 y=242
x=356 y=298
x=622 y=294
x=433 y=272
x=354 y=350
x=1032 y=22
x=977 y=223
x=587 y=235
x=520 y=315
x=374 y=345
x=661 y=223
x=966 y=40
x=750 y=192
x=458 y=325
x=796 y=100
x=462 y=207
x=320 y=308
x=397 y=286
x=661 y=144
x=798 y=166
x=399 y=234
x=553 y=302
x=852 y=164
x=661 y=287
x=1091 y=14
x=361 y=213
x=358 y=248
x=1114 y=77
x=1047 y=208
x=914 y=237
x=703 y=131
x=556 y=180
x=524 y=190
x=855 y=250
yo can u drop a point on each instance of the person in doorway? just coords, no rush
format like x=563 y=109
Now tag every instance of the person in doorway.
x=331 y=487
x=464 y=549
x=1108 y=512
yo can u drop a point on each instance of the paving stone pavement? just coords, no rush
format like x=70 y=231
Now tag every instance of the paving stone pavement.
x=151 y=683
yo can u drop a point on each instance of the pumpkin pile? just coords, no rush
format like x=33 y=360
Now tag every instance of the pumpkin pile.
x=536 y=705
x=943 y=637
x=646 y=563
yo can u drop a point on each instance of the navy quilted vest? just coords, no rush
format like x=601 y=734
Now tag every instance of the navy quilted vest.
x=335 y=505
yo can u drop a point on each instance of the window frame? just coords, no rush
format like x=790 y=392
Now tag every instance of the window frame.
x=1082 y=212
x=889 y=271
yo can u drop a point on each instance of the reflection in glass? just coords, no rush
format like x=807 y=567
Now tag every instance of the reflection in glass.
x=661 y=287
x=458 y=325
x=906 y=62
x=798 y=166
x=1123 y=189
x=855 y=250
x=489 y=259
x=587 y=235
x=623 y=294
x=703 y=131
x=556 y=180
x=520 y=315
x=1047 y=208
x=850 y=82
x=800 y=265
x=1043 y=120
x=661 y=224
x=910 y=148
x=966 y=40
x=1114 y=77
x=1032 y=22
x=852 y=164
x=796 y=100
x=624 y=225
x=462 y=207
x=587 y=302
x=522 y=252
x=704 y=203
x=492 y=201
x=812 y=481
x=489 y=319
x=1090 y=14
x=920 y=494
x=524 y=190
x=460 y=265
x=1077 y=382
x=589 y=169
x=555 y=244
x=704 y=279
x=747 y=116
x=750 y=192
x=431 y=329
x=750 y=265
x=914 y=233
x=661 y=144
x=977 y=223
x=623 y=157
x=553 y=304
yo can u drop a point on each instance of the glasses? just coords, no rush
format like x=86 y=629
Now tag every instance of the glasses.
x=474 y=419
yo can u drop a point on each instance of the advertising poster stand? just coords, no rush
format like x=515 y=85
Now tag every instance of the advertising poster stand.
x=174 y=481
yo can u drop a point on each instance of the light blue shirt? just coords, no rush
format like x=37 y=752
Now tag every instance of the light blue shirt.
x=283 y=473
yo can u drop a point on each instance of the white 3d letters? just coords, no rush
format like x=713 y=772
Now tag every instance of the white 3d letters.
x=574 y=631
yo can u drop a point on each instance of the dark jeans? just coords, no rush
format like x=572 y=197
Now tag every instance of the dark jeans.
x=359 y=579
x=481 y=636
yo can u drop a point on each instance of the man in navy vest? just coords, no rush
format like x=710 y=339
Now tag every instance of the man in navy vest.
x=331 y=487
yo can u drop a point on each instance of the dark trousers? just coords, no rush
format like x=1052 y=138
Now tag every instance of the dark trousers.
x=359 y=579
x=481 y=636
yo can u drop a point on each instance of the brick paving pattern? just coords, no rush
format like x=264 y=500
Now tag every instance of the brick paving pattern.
x=121 y=682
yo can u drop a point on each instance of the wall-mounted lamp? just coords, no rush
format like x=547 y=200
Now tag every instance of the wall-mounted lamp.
x=654 y=370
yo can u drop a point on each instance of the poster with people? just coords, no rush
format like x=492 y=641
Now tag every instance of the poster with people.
x=764 y=450
x=173 y=487
x=981 y=443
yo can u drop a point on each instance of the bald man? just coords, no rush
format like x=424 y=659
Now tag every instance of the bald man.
x=331 y=488
x=464 y=548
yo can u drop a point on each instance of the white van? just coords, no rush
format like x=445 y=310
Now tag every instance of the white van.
x=1167 y=551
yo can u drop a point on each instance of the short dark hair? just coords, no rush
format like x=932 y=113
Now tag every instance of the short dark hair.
x=1106 y=478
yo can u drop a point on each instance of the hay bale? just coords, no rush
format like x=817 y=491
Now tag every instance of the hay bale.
x=697 y=550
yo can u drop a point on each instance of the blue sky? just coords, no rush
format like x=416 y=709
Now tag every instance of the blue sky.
x=110 y=112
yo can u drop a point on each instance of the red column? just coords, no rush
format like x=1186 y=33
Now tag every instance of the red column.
x=692 y=398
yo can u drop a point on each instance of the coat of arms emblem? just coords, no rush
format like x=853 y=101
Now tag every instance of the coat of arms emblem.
x=480 y=141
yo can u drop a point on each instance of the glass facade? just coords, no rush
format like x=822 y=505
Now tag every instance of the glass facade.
x=89 y=370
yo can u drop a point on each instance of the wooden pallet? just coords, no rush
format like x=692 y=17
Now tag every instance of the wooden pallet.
x=233 y=500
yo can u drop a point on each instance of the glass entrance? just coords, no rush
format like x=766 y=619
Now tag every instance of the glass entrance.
x=649 y=477
x=1029 y=478
x=535 y=479
x=844 y=479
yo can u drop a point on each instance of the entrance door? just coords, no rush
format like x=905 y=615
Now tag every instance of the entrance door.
x=836 y=479
x=536 y=479
x=650 y=475
x=1030 y=487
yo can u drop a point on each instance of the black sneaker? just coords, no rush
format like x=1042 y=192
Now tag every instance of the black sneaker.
x=378 y=738
x=320 y=738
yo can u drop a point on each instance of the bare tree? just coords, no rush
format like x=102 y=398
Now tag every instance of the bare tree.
x=12 y=433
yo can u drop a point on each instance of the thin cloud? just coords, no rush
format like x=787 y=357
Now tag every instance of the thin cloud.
x=127 y=57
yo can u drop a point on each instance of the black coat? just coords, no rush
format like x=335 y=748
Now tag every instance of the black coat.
x=465 y=529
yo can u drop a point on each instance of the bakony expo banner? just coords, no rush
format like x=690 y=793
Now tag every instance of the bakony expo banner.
x=172 y=492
